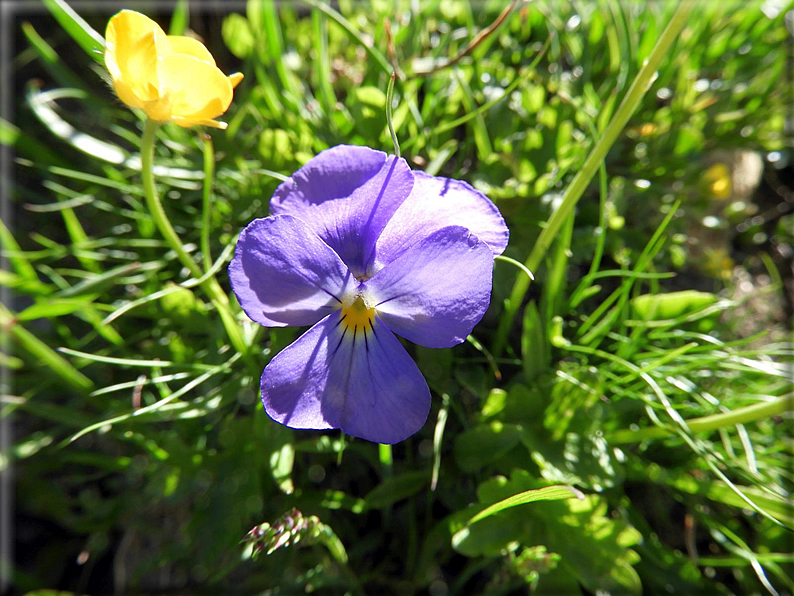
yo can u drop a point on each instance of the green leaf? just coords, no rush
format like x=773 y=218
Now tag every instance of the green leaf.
x=180 y=18
x=651 y=307
x=100 y=282
x=395 y=489
x=494 y=403
x=43 y=355
x=595 y=546
x=484 y=444
x=237 y=35
x=548 y=493
x=534 y=351
x=54 y=308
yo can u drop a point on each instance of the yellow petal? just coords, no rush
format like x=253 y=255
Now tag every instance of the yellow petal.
x=131 y=50
x=198 y=90
x=235 y=79
x=125 y=94
x=159 y=109
x=186 y=122
x=188 y=46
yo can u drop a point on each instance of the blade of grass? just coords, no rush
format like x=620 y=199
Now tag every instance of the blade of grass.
x=180 y=18
x=547 y=493
x=85 y=36
x=759 y=411
x=481 y=137
x=206 y=200
x=323 y=61
x=132 y=361
x=15 y=254
x=352 y=32
x=488 y=105
x=190 y=283
x=275 y=44
x=157 y=405
x=49 y=57
x=43 y=354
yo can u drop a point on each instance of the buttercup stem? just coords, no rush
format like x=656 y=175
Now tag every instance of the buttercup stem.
x=209 y=285
x=751 y=413
x=579 y=184
x=209 y=172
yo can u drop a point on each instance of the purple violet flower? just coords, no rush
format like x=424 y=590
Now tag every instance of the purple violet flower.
x=362 y=247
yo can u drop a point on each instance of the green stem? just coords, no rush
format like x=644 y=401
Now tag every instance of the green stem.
x=385 y=457
x=389 y=115
x=751 y=413
x=580 y=182
x=210 y=285
x=209 y=173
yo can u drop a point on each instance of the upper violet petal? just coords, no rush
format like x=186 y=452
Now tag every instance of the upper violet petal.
x=437 y=290
x=347 y=195
x=436 y=203
x=332 y=174
x=364 y=383
x=283 y=274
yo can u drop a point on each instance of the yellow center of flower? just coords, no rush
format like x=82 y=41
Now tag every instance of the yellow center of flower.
x=356 y=317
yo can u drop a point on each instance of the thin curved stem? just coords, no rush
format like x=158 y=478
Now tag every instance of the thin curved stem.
x=206 y=210
x=390 y=116
x=210 y=285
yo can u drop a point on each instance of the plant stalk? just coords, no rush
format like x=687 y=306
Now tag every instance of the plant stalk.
x=210 y=285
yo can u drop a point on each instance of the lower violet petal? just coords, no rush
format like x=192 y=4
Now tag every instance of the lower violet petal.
x=358 y=379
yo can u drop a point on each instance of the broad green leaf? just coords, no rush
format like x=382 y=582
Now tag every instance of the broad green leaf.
x=237 y=35
x=484 y=444
x=395 y=489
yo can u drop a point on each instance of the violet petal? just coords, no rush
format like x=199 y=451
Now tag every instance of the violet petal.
x=436 y=291
x=364 y=384
x=284 y=274
x=347 y=195
x=436 y=203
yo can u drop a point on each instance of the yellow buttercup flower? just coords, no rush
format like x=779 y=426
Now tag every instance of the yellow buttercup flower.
x=169 y=77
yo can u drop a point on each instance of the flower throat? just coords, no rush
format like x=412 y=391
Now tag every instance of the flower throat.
x=356 y=317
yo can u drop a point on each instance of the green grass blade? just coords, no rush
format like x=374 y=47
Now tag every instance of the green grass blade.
x=86 y=37
x=547 y=493
x=180 y=19
x=44 y=355
x=352 y=32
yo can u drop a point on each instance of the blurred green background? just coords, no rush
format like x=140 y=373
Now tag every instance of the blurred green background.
x=649 y=366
